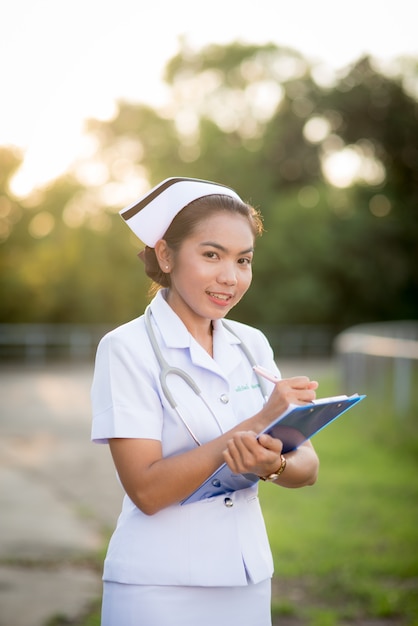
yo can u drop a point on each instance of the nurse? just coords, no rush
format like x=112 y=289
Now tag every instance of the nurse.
x=206 y=562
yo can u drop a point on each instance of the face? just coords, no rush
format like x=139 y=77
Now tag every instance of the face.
x=212 y=269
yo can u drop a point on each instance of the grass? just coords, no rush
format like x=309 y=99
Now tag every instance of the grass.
x=346 y=549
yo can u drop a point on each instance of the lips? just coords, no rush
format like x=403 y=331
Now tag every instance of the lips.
x=220 y=297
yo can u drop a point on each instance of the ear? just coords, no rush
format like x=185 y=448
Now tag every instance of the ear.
x=164 y=256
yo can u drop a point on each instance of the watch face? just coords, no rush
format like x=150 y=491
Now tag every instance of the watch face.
x=272 y=477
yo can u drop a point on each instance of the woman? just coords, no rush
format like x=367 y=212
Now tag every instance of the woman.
x=206 y=562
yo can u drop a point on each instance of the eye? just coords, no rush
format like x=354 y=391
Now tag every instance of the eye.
x=210 y=254
x=245 y=260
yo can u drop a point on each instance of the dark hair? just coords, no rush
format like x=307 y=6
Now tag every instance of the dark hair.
x=187 y=220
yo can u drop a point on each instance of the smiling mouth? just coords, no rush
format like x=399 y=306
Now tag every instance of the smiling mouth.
x=219 y=296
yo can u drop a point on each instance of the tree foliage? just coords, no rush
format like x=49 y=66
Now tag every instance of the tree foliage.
x=254 y=118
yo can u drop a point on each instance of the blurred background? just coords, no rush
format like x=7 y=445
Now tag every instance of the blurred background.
x=309 y=112
x=311 y=117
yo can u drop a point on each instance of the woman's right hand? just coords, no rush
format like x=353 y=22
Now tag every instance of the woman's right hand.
x=295 y=390
x=245 y=454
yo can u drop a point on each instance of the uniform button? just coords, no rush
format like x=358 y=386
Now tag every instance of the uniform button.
x=216 y=482
x=224 y=398
x=228 y=502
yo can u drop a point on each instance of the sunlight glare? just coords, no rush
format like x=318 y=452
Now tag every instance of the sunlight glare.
x=41 y=224
x=324 y=75
x=91 y=173
x=289 y=67
x=353 y=163
x=187 y=122
x=47 y=158
x=54 y=143
x=316 y=129
x=67 y=62
x=264 y=98
x=116 y=195
x=341 y=168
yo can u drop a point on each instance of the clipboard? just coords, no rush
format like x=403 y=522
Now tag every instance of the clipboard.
x=296 y=425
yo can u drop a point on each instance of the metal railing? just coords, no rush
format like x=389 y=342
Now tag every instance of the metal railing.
x=381 y=359
x=42 y=342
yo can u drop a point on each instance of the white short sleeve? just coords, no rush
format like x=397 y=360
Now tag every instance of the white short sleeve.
x=124 y=396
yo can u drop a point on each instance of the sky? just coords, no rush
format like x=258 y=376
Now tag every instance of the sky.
x=64 y=61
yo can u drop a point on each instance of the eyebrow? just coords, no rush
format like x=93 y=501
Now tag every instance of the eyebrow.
x=218 y=246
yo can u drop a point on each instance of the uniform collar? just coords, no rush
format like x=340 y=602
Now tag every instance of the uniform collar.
x=174 y=334
x=172 y=330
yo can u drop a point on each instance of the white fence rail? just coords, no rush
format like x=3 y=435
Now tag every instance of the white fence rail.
x=41 y=342
x=378 y=359
x=381 y=359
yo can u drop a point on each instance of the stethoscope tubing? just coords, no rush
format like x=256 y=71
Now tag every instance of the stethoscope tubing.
x=166 y=369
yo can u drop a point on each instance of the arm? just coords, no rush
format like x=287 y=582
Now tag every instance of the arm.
x=154 y=482
x=262 y=456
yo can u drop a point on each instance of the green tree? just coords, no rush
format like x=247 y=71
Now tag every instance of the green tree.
x=380 y=120
x=53 y=272
x=255 y=118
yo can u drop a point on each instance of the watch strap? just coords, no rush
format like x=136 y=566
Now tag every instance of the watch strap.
x=275 y=475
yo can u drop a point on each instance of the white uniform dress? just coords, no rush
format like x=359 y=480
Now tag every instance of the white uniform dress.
x=208 y=562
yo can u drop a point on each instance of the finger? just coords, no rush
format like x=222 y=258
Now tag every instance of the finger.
x=245 y=440
x=301 y=382
x=235 y=461
x=306 y=395
x=271 y=443
x=242 y=448
x=230 y=462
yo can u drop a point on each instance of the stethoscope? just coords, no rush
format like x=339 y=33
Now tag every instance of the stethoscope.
x=166 y=369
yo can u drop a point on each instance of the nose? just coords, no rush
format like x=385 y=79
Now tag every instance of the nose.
x=228 y=274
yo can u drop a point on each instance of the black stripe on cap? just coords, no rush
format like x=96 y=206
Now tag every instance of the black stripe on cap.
x=154 y=194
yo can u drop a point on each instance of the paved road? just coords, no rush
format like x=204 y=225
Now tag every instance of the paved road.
x=58 y=494
x=59 y=497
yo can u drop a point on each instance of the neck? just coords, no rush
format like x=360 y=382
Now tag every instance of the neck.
x=206 y=339
x=200 y=328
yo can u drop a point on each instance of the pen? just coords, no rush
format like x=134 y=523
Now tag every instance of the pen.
x=266 y=374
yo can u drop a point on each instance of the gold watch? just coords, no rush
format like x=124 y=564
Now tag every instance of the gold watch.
x=275 y=475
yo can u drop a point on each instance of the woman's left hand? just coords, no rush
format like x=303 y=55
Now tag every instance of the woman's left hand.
x=247 y=454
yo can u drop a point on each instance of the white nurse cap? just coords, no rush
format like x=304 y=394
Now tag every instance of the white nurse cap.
x=150 y=216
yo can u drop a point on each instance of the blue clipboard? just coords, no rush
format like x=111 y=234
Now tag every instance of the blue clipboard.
x=293 y=427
